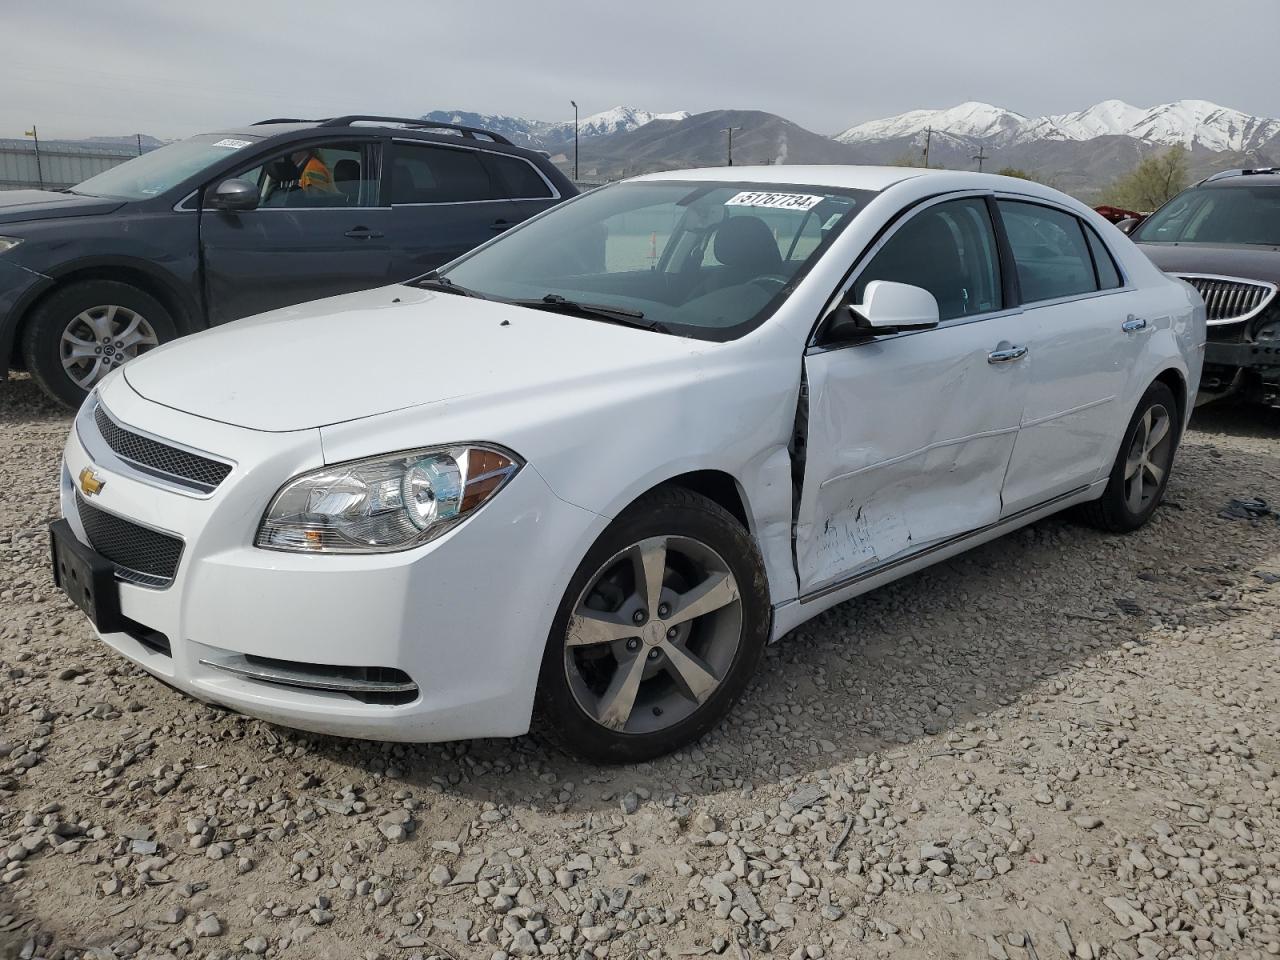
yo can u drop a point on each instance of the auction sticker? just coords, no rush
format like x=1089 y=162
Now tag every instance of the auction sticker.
x=233 y=144
x=776 y=201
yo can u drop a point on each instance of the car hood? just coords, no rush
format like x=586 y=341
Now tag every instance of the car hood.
x=1247 y=261
x=363 y=354
x=17 y=205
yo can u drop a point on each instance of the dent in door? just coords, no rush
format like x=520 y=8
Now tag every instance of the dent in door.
x=916 y=435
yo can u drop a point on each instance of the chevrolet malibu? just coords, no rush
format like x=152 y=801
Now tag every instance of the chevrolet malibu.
x=585 y=473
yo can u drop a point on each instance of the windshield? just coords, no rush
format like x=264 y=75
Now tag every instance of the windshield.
x=155 y=172
x=1216 y=215
x=709 y=260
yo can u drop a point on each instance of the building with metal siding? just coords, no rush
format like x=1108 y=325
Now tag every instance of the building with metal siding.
x=62 y=164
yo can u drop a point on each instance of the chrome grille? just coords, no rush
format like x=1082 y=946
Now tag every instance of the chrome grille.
x=141 y=555
x=151 y=456
x=1231 y=299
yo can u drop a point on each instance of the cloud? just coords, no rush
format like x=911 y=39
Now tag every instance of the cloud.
x=172 y=69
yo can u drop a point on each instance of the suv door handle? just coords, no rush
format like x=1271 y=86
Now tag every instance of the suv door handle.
x=1133 y=324
x=362 y=233
x=1006 y=354
x=499 y=225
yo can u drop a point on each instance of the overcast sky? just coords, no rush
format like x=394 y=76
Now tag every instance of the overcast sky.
x=175 y=67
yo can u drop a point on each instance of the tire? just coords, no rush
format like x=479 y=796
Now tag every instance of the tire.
x=75 y=318
x=682 y=675
x=1120 y=509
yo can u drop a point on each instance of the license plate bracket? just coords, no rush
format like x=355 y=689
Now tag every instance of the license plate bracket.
x=86 y=577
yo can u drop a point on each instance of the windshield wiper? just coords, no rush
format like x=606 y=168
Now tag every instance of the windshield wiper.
x=445 y=285
x=555 y=303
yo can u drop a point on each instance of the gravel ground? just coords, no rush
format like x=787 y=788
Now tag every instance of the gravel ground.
x=1061 y=744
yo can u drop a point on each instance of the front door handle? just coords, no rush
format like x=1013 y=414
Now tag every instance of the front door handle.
x=362 y=233
x=1133 y=324
x=499 y=225
x=1006 y=354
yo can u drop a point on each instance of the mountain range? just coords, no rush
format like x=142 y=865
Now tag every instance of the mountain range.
x=1186 y=123
x=546 y=134
x=1079 y=152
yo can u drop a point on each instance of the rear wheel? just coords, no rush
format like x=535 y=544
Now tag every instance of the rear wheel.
x=1140 y=474
x=82 y=332
x=659 y=632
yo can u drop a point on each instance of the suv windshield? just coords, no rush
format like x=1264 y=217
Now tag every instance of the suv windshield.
x=1226 y=214
x=155 y=172
x=710 y=260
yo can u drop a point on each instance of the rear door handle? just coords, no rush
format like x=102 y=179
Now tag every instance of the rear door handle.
x=1133 y=324
x=1006 y=354
x=362 y=233
x=499 y=225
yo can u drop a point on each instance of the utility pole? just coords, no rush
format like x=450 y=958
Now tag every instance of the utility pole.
x=729 y=131
x=138 y=137
x=928 y=136
x=980 y=156
x=34 y=134
x=575 y=138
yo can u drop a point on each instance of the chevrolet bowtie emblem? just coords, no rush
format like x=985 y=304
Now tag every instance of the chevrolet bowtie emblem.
x=90 y=483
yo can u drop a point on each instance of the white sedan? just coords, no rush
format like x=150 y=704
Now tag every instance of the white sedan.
x=587 y=471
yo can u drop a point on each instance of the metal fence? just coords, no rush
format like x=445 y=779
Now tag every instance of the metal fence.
x=61 y=164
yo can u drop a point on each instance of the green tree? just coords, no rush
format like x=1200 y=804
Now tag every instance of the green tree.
x=1156 y=178
x=1015 y=172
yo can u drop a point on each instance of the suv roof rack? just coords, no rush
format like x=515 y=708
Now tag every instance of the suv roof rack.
x=473 y=133
x=1224 y=174
x=259 y=123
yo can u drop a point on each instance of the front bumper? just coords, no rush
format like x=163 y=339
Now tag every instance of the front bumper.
x=1243 y=354
x=465 y=617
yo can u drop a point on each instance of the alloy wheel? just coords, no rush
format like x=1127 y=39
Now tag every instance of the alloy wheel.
x=99 y=339
x=653 y=635
x=1149 y=458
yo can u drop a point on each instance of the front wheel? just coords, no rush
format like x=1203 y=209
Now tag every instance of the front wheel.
x=660 y=630
x=1140 y=474
x=82 y=332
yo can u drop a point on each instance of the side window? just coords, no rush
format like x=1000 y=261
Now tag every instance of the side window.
x=422 y=173
x=948 y=249
x=521 y=179
x=1103 y=262
x=327 y=175
x=1049 y=250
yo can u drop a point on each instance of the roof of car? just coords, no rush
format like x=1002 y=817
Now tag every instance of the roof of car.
x=847 y=176
x=1243 y=180
x=273 y=128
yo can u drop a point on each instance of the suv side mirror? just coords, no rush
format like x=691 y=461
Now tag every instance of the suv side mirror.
x=234 y=194
x=1128 y=225
x=887 y=307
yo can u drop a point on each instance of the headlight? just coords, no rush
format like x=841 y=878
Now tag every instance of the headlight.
x=385 y=503
x=8 y=243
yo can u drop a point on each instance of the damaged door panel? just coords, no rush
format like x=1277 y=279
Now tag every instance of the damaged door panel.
x=908 y=439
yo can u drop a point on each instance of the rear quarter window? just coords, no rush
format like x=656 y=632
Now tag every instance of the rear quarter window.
x=521 y=179
x=1108 y=273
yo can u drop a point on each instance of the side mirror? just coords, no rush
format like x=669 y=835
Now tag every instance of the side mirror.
x=233 y=195
x=887 y=307
x=1128 y=225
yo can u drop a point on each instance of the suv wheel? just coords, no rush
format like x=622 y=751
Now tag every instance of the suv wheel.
x=82 y=332
x=662 y=626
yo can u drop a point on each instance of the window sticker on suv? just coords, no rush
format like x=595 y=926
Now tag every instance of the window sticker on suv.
x=779 y=201
x=233 y=143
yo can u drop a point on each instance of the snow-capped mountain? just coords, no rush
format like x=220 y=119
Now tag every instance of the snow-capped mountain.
x=615 y=120
x=972 y=119
x=1189 y=123
x=543 y=132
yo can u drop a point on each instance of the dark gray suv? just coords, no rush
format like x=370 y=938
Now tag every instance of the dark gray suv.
x=1223 y=237
x=228 y=224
